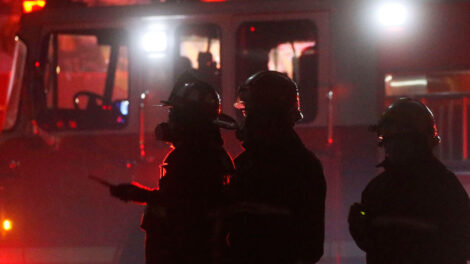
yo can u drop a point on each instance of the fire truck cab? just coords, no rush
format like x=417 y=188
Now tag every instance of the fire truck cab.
x=82 y=100
x=85 y=82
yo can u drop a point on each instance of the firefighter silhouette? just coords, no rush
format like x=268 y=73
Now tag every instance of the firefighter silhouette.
x=278 y=191
x=178 y=217
x=416 y=211
x=207 y=70
x=182 y=66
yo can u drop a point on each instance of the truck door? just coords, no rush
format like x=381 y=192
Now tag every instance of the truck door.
x=84 y=121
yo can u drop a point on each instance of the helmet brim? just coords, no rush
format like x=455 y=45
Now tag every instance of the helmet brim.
x=163 y=104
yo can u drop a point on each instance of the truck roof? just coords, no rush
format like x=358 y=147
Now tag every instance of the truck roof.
x=80 y=14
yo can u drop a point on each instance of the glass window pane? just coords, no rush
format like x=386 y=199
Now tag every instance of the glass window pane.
x=86 y=82
x=14 y=87
x=447 y=94
x=82 y=66
x=199 y=53
x=289 y=47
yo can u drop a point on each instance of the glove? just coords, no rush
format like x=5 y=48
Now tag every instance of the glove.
x=358 y=220
x=129 y=192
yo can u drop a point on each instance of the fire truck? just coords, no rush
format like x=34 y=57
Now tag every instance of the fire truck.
x=81 y=95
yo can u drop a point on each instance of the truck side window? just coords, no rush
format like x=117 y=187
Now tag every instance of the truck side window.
x=447 y=94
x=287 y=46
x=199 y=53
x=10 y=97
x=86 y=82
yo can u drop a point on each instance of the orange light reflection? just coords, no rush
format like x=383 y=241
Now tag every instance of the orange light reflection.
x=7 y=225
x=35 y=5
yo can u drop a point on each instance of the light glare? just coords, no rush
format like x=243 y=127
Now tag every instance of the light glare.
x=124 y=107
x=31 y=6
x=156 y=55
x=393 y=14
x=7 y=225
x=415 y=82
x=155 y=39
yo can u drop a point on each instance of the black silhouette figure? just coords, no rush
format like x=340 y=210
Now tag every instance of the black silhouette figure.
x=278 y=189
x=179 y=216
x=416 y=211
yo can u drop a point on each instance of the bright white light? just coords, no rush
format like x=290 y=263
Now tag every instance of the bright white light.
x=388 y=78
x=415 y=82
x=156 y=55
x=124 y=107
x=393 y=14
x=154 y=39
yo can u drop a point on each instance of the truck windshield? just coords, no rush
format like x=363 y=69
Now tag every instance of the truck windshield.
x=10 y=97
x=86 y=82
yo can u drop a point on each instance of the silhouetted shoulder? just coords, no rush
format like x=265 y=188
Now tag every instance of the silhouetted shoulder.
x=314 y=159
x=315 y=164
x=450 y=190
x=375 y=186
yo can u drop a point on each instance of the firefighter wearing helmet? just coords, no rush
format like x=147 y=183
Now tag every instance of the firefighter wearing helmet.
x=278 y=189
x=416 y=211
x=177 y=219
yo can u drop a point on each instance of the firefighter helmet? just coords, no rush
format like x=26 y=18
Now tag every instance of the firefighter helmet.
x=194 y=98
x=407 y=116
x=270 y=93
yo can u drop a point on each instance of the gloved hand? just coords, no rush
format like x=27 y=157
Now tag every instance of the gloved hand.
x=359 y=221
x=357 y=210
x=128 y=192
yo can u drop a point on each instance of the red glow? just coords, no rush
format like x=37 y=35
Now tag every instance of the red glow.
x=119 y=119
x=227 y=240
x=110 y=107
x=330 y=141
x=33 y=5
x=128 y=165
x=60 y=124
x=213 y=1
x=103 y=107
x=35 y=127
x=227 y=180
x=464 y=128
x=162 y=166
x=252 y=29
x=37 y=64
x=141 y=186
x=142 y=131
x=73 y=124
x=12 y=165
